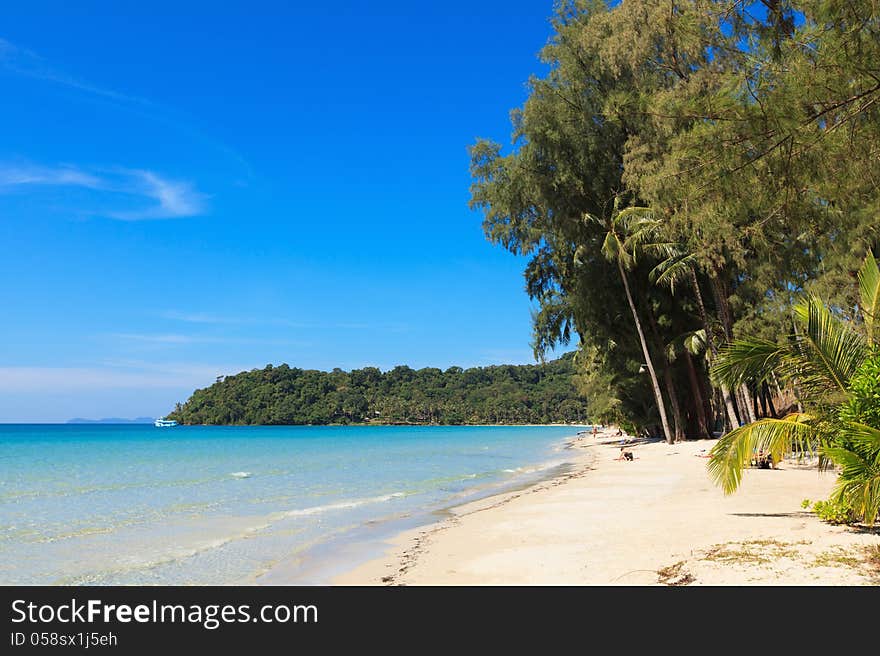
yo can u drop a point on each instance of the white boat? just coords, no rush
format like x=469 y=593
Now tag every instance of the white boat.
x=164 y=423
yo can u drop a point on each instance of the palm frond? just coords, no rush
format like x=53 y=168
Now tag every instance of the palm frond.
x=749 y=360
x=634 y=216
x=858 y=485
x=834 y=350
x=677 y=266
x=592 y=218
x=695 y=342
x=869 y=290
x=611 y=247
x=865 y=438
x=648 y=240
x=730 y=455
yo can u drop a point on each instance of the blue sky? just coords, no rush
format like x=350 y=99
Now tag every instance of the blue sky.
x=192 y=189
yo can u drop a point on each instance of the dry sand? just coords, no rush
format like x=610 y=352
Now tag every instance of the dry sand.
x=657 y=519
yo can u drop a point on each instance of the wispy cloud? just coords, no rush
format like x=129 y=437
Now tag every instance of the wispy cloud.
x=165 y=339
x=23 y=61
x=174 y=198
x=168 y=199
x=173 y=339
x=11 y=176
x=208 y=318
x=201 y=317
x=131 y=375
x=27 y=63
x=507 y=356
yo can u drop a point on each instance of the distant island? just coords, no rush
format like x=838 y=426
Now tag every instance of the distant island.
x=112 y=420
x=283 y=395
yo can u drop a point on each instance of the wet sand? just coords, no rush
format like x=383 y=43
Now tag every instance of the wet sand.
x=657 y=519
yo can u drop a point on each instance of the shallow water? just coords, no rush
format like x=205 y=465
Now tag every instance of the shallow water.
x=135 y=504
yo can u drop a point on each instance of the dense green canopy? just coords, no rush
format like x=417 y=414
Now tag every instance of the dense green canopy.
x=746 y=133
x=505 y=394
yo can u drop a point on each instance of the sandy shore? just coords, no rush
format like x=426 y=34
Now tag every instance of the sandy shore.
x=657 y=519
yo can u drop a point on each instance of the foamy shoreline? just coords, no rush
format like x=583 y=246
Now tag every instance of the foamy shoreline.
x=655 y=520
x=321 y=563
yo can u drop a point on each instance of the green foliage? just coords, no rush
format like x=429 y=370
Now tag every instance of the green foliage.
x=820 y=357
x=869 y=291
x=733 y=452
x=747 y=138
x=834 y=512
x=863 y=405
x=839 y=378
x=505 y=394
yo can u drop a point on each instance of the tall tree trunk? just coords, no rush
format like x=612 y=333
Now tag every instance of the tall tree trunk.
x=762 y=394
x=728 y=406
x=770 y=401
x=747 y=400
x=713 y=349
x=698 y=395
x=722 y=304
x=678 y=424
x=661 y=407
x=709 y=397
x=747 y=412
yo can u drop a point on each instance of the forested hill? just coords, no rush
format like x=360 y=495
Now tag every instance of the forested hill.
x=505 y=394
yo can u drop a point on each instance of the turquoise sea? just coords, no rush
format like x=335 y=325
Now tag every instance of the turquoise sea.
x=136 y=504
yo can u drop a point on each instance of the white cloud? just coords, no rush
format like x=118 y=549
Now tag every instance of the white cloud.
x=207 y=318
x=29 y=64
x=11 y=176
x=198 y=317
x=165 y=339
x=68 y=379
x=174 y=198
x=173 y=339
x=168 y=198
x=509 y=356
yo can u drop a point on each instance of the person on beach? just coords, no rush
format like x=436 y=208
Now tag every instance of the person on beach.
x=764 y=460
x=625 y=455
x=595 y=431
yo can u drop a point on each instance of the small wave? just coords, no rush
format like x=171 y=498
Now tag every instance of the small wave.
x=81 y=490
x=241 y=474
x=536 y=468
x=135 y=562
x=341 y=505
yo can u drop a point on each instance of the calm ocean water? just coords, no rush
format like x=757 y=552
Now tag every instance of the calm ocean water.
x=135 y=504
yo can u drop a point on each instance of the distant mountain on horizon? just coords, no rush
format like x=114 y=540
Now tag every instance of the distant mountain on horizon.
x=112 y=420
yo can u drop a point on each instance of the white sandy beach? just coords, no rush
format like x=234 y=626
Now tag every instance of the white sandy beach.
x=655 y=520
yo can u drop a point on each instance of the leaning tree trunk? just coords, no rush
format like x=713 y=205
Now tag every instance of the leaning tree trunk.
x=747 y=401
x=678 y=424
x=698 y=396
x=727 y=323
x=713 y=350
x=657 y=395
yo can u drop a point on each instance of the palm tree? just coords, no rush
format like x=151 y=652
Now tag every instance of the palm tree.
x=837 y=370
x=619 y=226
x=681 y=266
